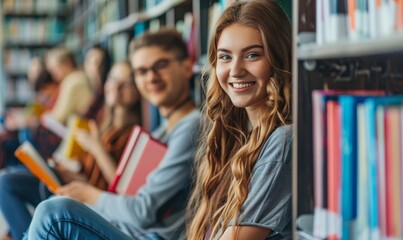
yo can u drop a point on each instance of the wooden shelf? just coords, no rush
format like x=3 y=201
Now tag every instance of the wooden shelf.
x=30 y=44
x=365 y=47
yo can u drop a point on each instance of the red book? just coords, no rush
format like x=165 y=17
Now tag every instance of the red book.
x=142 y=154
x=333 y=170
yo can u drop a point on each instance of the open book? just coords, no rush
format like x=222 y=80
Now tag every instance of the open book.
x=30 y=157
x=142 y=154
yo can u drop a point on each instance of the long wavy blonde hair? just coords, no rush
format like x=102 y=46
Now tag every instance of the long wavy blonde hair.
x=229 y=149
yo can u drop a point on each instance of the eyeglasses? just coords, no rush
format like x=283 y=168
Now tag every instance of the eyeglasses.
x=157 y=66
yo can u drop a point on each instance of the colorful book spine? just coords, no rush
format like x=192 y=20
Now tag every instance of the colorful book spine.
x=381 y=168
x=362 y=224
x=392 y=158
x=334 y=170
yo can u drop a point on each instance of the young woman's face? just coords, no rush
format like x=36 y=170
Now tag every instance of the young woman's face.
x=243 y=70
x=92 y=64
x=120 y=88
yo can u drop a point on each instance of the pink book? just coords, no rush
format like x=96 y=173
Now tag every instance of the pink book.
x=142 y=154
x=392 y=172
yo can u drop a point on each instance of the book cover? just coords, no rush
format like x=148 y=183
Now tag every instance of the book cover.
x=392 y=166
x=142 y=154
x=53 y=125
x=399 y=15
x=349 y=159
x=361 y=226
x=334 y=170
x=381 y=168
x=73 y=150
x=30 y=157
x=318 y=112
x=352 y=12
x=338 y=21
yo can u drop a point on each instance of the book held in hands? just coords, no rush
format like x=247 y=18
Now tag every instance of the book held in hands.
x=71 y=148
x=31 y=158
x=142 y=154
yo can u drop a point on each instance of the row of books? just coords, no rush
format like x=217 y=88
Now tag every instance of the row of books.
x=17 y=60
x=357 y=19
x=30 y=30
x=358 y=165
x=32 y=6
x=141 y=155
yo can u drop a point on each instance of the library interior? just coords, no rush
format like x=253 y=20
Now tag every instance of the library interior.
x=319 y=145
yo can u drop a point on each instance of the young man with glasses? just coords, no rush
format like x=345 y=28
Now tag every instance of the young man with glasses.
x=162 y=71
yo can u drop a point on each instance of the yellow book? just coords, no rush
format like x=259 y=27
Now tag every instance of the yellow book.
x=35 y=109
x=72 y=150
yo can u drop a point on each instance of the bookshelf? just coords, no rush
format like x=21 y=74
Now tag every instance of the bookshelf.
x=29 y=27
x=368 y=62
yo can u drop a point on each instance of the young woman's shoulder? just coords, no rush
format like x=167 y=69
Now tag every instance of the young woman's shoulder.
x=277 y=147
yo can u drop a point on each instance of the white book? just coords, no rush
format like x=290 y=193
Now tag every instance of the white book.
x=362 y=224
x=49 y=122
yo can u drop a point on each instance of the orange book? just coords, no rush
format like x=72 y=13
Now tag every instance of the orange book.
x=142 y=154
x=73 y=150
x=30 y=157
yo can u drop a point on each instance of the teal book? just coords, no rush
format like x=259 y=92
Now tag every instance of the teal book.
x=349 y=160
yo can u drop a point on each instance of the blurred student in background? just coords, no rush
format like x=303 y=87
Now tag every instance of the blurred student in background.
x=162 y=71
x=81 y=91
x=243 y=185
x=76 y=94
x=96 y=66
x=22 y=123
x=104 y=145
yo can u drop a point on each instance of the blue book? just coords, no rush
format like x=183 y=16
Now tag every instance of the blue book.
x=349 y=160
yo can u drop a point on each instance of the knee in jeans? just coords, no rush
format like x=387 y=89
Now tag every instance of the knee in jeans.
x=55 y=207
x=5 y=181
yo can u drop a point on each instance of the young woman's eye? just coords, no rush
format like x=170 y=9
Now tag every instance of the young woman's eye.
x=252 y=55
x=224 y=57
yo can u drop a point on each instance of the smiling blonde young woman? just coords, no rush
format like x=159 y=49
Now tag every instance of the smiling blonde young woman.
x=243 y=185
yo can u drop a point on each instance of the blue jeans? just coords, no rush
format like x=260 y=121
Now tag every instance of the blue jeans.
x=65 y=218
x=18 y=189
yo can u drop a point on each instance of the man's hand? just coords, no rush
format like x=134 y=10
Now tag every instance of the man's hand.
x=80 y=191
